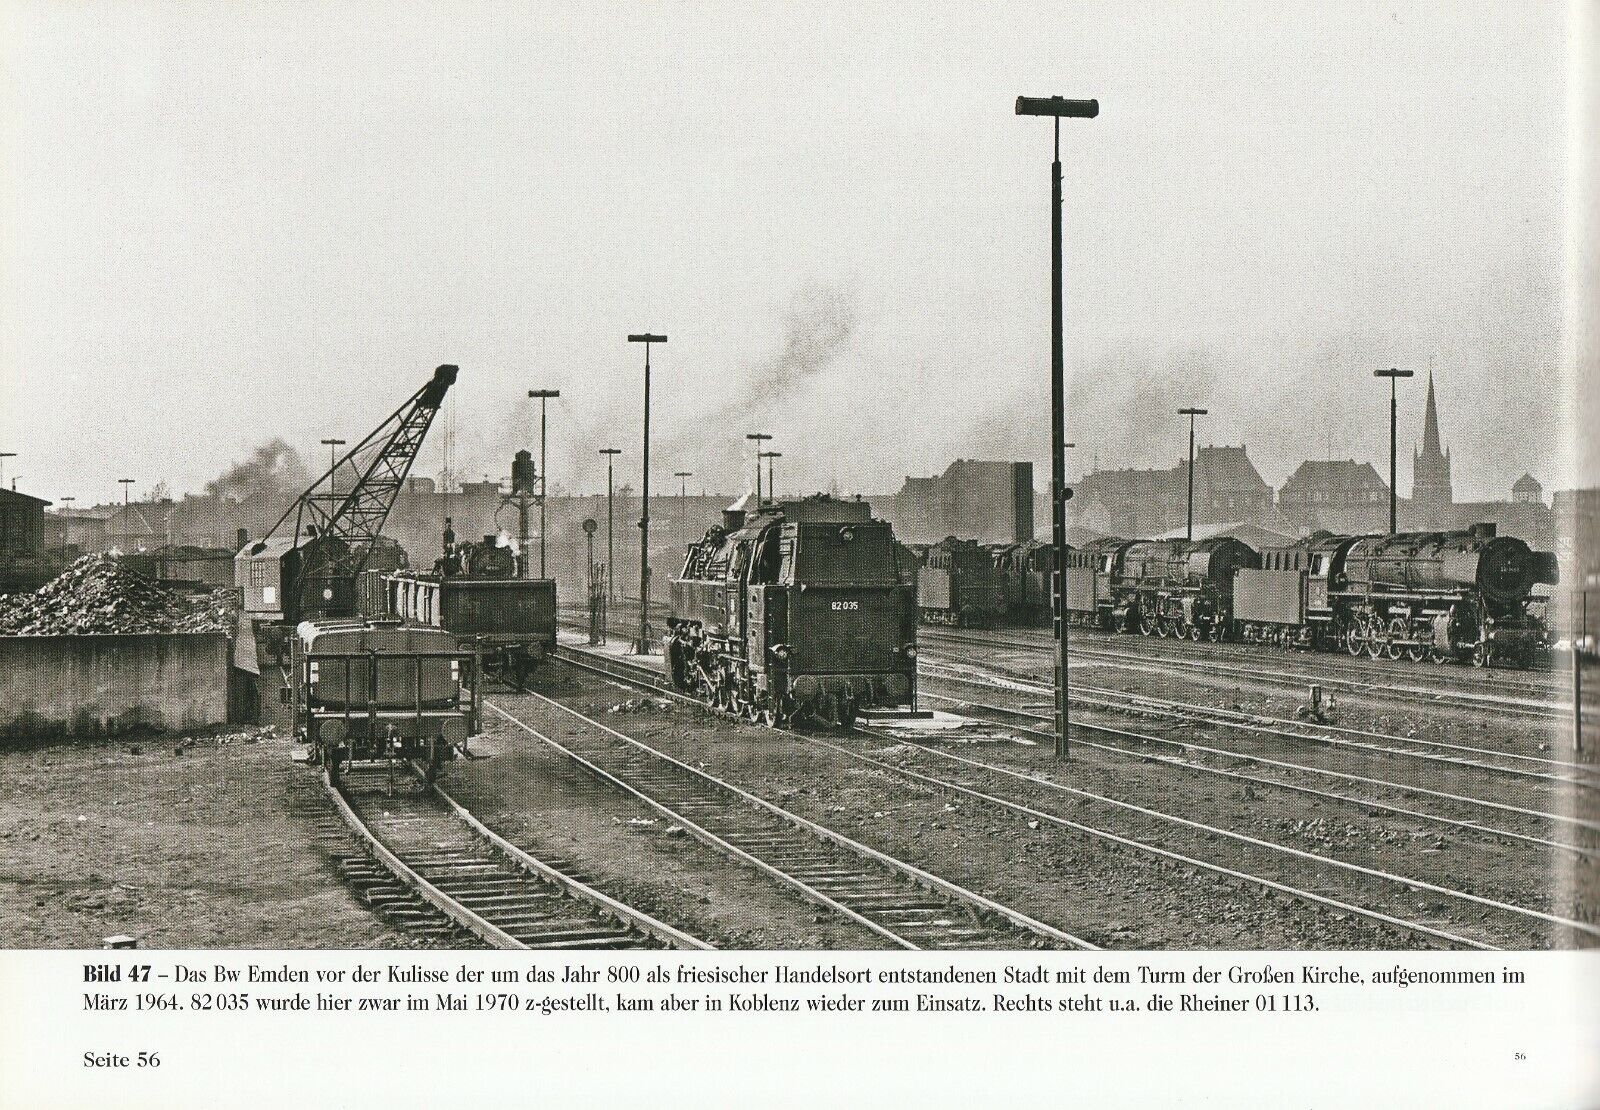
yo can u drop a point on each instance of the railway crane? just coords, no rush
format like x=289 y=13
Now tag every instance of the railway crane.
x=307 y=565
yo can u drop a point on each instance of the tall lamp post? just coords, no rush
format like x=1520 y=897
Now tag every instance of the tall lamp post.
x=611 y=454
x=544 y=396
x=643 y=646
x=1058 y=108
x=758 y=438
x=683 y=477
x=125 y=483
x=4 y=455
x=772 y=489
x=1188 y=520
x=1394 y=421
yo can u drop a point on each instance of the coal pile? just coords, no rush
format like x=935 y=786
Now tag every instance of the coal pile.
x=99 y=595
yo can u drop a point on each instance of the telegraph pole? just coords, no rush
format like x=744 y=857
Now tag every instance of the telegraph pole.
x=333 y=473
x=544 y=396
x=125 y=483
x=1188 y=525
x=683 y=477
x=772 y=489
x=1056 y=107
x=758 y=438
x=643 y=646
x=611 y=552
x=1394 y=423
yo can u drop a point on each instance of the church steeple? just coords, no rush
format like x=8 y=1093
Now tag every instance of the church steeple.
x=1430 y=424
x=1431 y=494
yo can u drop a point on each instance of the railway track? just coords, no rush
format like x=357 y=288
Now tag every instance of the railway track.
x=433 y=865
x=1436 y=754
x=1128 y=743
x=1156 y=661
x=906 y=906
x=1387 y=899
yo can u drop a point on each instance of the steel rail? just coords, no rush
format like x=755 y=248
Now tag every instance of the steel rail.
x=1298 y=788
x=1198 y=718
x=1345 y=730
x=654 y=680
x=1257 y=842
x=490 y=934
x=1156 y=660
x=902 y=868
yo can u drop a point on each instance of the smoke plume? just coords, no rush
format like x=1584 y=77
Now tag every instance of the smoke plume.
x=273 y=471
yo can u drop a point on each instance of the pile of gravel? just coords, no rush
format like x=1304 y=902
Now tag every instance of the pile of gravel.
x=98 y=594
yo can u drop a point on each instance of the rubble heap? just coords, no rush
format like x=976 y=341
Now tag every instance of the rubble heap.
x=98 y=594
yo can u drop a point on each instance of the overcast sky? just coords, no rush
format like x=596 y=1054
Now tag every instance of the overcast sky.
x=228 y=222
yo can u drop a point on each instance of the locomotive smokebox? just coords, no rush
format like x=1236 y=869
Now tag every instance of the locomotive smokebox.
x=524 y=475
x=732 y=519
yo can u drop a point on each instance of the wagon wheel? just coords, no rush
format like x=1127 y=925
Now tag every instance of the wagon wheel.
x=1481 y=655
x=1437 y=656
x=752 y=711
x=1397 y=632
x=1163 y=627
x=1196 y=632
x=769 y=716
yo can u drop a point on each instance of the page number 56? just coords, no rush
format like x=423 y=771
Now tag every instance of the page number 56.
x=1518 y=1056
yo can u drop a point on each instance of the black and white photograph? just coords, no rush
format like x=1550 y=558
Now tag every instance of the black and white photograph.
x=800 y=479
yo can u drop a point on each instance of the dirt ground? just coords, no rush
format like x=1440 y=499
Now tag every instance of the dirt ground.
x=214 y=848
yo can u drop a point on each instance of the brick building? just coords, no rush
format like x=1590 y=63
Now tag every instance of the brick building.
x=987 y=500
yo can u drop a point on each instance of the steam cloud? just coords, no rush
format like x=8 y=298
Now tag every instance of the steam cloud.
x=274 y=470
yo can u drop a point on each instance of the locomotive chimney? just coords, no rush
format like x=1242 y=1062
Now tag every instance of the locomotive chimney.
x=243 y=537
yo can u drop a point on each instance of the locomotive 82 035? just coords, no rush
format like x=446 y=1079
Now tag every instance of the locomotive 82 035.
x=800 y=612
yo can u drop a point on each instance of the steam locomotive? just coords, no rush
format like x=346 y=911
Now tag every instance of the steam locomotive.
x=957 y=584
x=1465 y=595
x=800 y=612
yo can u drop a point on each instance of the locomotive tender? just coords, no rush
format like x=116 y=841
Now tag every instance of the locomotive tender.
x=958 y=584
x=800 y=612
x=474 y=593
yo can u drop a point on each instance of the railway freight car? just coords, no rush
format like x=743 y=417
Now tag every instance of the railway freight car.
x=1463 y=595
x=800 y=612
x=373 y=690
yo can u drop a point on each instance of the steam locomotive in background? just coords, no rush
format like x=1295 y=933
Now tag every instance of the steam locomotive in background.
x=1465 y=595
x=802 y=611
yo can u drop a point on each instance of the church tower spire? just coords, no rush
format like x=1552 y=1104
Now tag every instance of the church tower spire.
x=1431 y=494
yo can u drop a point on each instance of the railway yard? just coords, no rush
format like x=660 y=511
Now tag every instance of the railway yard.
x=1206 y=804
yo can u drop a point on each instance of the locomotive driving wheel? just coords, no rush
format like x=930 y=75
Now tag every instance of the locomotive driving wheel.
x=1482 y=656
x=1355 y=639
x=1147 y=624
x=1397 y=632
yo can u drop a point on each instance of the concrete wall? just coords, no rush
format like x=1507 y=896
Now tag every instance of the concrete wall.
x=98 y=685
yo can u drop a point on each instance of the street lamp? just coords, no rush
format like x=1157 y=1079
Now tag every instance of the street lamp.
x=544 y=396
x=4 y=455
x=683 y=477
x=610 y=453
x=772 y=489
x=1056 y=108
x=1394 y=420
x=125 y=483
x=1188 y=526
x=643 y=645
x=333 y=475
x=758 y=438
